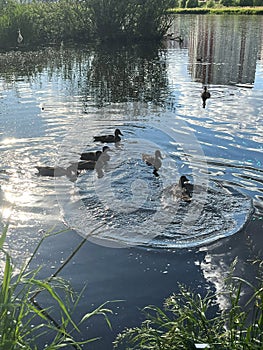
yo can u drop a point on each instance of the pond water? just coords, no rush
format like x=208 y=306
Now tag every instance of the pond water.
x=141 y=242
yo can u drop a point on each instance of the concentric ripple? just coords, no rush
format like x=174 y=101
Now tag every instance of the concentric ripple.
x=126 y=204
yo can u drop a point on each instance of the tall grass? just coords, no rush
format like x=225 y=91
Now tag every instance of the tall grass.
x=186 y=320
x=24 y=323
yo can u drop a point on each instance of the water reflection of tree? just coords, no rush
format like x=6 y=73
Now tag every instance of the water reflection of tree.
x=126 y=74
x=101 y=74
x=28 y=64
x=217 y=60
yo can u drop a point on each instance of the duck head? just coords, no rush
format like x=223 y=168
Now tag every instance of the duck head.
x=183 y=180
x=105 y=148
x=118 y=132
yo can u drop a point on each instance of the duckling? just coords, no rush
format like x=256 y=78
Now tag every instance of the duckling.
x=205 y=95
x=93 y=155
x=154 y=161
x=109 y=138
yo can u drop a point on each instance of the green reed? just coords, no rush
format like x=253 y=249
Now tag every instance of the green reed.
x=24 y=322
x=186 y=320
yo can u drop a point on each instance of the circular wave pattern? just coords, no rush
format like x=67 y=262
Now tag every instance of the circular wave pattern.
x=127 y=205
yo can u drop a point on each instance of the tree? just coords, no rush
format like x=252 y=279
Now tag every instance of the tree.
x=227 y=2
x=130 y=19
x=191 y=3
x=245 y=2
x=182 y=3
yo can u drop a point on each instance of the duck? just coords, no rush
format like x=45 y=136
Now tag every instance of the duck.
x=93 y=155
x=52 y=171
x=205 y=95
x=187 y=187
x=183 y=190
x=154 y=161
x=85 y=165
x=19 y=37
x=109 y=138
x=90 y=165
x=94 y=164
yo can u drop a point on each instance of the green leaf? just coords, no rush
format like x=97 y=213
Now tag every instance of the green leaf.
x=3 y=237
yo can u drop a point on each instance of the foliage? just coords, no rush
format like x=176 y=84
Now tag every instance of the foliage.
x=130 y=19
x=227 y=2
x=45 y=22
x=220 y=10
x=191 y=3
x=245 y=2
x=210 y=3
x=182 y=3
x=23 y=322
x=188 y=319
x=82 y=21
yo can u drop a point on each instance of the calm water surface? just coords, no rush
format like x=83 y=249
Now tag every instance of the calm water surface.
x=52 y=103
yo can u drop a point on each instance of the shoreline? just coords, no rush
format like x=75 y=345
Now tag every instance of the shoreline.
x=218 y=11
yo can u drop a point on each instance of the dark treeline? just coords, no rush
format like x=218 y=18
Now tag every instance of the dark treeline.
x=82 y=21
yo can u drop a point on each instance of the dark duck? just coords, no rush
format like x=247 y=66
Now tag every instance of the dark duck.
x=205 y=95
x=109 y=138
x=183 y=190
x=58 y=171
x=93 y=155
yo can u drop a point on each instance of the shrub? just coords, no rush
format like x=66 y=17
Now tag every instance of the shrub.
x=131 y=19
x=182 y=3
x=210 y=4
x=82 y=21
x=191 y=3
x=245 y=2
x=227 y=2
